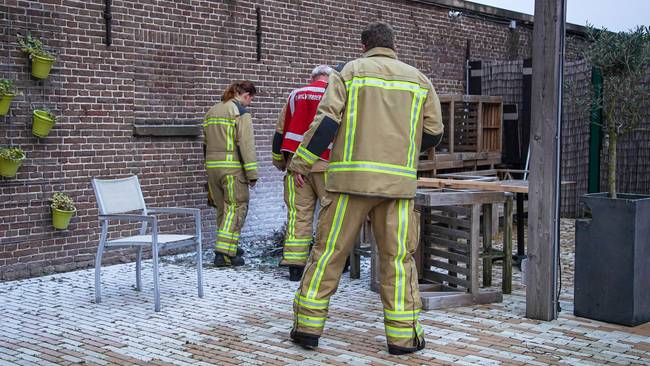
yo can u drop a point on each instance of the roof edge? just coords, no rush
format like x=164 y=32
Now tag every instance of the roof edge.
x=493 y=11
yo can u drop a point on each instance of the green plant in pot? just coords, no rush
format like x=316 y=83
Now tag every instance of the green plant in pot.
x=612 y=254
x=63 y=209
x=10 y=160
x=43 y=121
x=7 y=94
x=42 y=60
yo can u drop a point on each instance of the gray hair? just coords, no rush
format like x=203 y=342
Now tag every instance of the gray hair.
x=378 y=34
x=321 y=70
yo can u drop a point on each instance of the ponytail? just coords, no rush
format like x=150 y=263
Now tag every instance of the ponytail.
x=238 y=87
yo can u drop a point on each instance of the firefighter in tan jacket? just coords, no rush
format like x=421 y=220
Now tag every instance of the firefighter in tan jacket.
x=380 y=113
x=231 y=164
x=293 y=122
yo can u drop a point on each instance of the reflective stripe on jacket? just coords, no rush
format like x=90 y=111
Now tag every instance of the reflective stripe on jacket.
x=229 y=139
x=376 y=109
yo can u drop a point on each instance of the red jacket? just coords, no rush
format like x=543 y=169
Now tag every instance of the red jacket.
x=300 y=112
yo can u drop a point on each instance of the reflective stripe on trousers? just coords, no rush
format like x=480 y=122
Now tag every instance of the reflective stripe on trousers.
x=301 y=205
x=230 y=195
x=395 y=227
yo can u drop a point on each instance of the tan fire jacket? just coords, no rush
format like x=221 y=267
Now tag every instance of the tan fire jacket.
x=376 y=110
x=229 y=139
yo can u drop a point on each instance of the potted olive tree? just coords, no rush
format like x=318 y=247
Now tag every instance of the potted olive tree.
x=7 y=94
x=10 y=160
x=62 y=210
x=42 y=60
x=612 y=255
x=43 y=121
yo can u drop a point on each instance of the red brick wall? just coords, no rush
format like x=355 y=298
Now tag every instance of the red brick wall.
x=168 y=63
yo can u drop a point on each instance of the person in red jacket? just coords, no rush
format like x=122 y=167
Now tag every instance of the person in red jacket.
x=293 y=122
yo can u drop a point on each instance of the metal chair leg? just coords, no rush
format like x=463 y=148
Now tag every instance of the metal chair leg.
x=199 y=268
x=154 y=250
x=98 y=263
x=98 y=270
x=138 y=270
x=156 y=287
x=199 y=253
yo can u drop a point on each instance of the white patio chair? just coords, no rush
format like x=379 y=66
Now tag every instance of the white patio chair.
x=118 y=199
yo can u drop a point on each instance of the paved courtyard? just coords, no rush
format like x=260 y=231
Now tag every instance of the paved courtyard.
x=245 y=318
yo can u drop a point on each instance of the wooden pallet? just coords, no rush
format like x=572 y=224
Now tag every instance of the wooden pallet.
x=451 y=246
x=449 y=251
x=473 y=134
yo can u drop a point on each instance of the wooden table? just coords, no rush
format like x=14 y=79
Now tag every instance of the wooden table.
x=489 y=180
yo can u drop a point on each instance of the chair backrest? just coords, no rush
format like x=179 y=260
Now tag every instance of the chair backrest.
x=118 y=195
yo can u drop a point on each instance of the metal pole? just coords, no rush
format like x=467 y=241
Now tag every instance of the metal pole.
x=558 y=152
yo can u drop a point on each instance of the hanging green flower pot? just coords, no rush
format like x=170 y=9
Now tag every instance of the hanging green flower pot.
x=43 y=122
x=10 y=160
x=41 y=66
x=61 y=219
x=7 y=93
x=5 y=101
x=62 y=210
x=42 y=60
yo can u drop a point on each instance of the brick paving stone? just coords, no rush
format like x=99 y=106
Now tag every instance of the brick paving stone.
x=246 y=316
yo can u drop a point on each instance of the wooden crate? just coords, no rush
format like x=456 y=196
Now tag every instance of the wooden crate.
x=450 y=240
x=473 y=134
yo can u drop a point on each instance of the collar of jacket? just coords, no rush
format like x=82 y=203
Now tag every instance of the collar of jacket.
x=320 y=83
x=240 y=107
x=380 y=51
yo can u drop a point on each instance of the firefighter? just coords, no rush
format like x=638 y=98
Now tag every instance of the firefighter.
x=380 y=113
x=294 y=120
x=232 y=167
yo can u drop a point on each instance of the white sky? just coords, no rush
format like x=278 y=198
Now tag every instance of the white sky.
x=616 y=15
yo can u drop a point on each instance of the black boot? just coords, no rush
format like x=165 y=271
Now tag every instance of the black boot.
x=346 y=268
x=396 y=350
x=295 y=273
x=305 y=340
x=221 y=260
x=237 y=260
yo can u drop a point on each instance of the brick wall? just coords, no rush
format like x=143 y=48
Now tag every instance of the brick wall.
x=168 y=63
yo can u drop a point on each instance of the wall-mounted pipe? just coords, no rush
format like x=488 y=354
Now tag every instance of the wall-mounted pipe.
x=258 y=33
x=108 y=18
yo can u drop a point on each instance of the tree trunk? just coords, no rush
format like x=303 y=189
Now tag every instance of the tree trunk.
x=611 y=164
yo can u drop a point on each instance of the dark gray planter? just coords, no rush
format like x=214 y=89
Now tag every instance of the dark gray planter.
x=612 y=259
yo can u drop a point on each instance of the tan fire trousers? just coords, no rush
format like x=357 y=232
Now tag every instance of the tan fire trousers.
x=395 y=226
x=229 y=191
x=301 y=203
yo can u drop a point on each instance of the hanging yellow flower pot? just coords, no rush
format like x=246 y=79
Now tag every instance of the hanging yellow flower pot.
x=10 y=160
x=41 y=66
x=5 y=102
x=42 y=60
x=61 y=219
x=7 y=93
x=43 y=122
x=63 y=209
